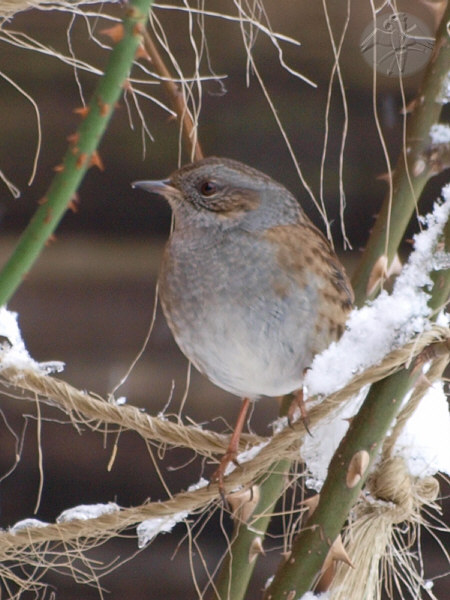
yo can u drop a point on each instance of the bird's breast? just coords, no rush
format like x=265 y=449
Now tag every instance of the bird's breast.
x=242 y=320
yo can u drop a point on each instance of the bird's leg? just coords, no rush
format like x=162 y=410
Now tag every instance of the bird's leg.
x=299 y=402
x=231 y=453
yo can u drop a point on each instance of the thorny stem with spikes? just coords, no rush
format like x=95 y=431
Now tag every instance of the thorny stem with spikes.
x=411 y=172
x=81 y=152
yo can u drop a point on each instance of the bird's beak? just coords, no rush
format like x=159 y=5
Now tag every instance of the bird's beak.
x=161 y=187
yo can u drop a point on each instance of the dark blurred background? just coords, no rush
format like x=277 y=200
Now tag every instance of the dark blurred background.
x=89 y=299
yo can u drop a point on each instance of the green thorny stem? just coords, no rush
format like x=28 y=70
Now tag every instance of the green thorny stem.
x=239 y=563
x=81 y=152
x=412 y=171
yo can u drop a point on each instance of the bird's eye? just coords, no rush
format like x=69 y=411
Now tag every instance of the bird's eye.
x=208 y=188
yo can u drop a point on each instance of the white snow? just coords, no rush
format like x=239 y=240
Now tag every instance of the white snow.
x=201 y=483
x=150 y=528
x=425 y=440
x=443 y=96
x=13 y=352
x=84 y=512
x=313 y=596
x=373 y=331
x=440 y=133
x=26 y=524
x=318 y=448
x=245 y=456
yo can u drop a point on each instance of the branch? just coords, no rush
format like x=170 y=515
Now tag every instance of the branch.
x=177 y=100
x=411 y=172
x=81 y=153
x=246 y=545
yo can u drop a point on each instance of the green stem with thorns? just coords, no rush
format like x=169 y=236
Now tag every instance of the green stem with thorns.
x=80 y=153
x=411 y=172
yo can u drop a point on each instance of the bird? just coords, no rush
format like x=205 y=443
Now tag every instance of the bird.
x=250 y=287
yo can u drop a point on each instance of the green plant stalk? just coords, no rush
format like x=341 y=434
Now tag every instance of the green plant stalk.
x=408 y=182
x=79 y=154
x=366 y=432
x=237 y=568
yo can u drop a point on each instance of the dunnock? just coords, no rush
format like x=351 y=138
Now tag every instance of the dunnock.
x=250 y=288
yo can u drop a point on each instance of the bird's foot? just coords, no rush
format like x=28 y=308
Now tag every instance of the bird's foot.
x=230 y=456
x=298 y=402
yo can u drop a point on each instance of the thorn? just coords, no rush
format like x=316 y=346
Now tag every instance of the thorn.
x=81 y=160
x=42 y=200
x=396 y=266
x=73 y=204
x=103 y=107
x=409 y=108
x=115 y=33
x=383 y=177
x=256 y=548
x=96 y=161
x=51 y=239
x=377 y=274
x=138 y=29
x=311 y=503
x=73 y=138
x=48 y=215
x=357 y=467
x=339 y=553
x=141 y=52
x=243 y=503
x=58 y=168
x=335 y=554
x=419 y=167
x=83 y=111
x=380 y=272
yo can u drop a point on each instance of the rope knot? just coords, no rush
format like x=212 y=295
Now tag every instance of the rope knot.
x=392 y=483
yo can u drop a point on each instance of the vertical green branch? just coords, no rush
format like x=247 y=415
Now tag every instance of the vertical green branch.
x=238 y=566
x=81 y=152
x=410 y=176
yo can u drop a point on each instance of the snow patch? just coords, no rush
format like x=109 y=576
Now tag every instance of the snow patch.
x=424 y=442
x=83 y=512
x=26 y=524
x=440 y=133
x=13 y=352
x=150 y=528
